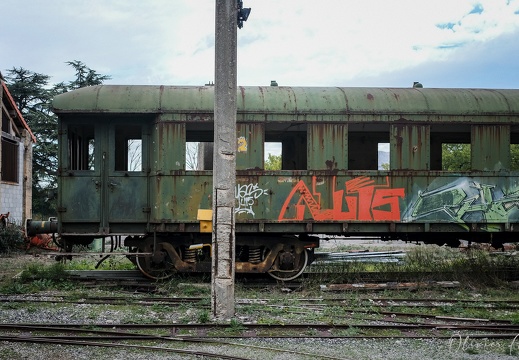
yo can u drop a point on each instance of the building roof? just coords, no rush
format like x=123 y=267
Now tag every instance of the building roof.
x=10 y=104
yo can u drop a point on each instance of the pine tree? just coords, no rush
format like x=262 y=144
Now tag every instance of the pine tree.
x=33 y=96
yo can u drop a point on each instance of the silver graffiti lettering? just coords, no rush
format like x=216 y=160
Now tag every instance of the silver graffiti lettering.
x=246 y=195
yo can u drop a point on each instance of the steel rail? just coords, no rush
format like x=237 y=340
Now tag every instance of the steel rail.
x=301 y=326
x=115 y=335
x=112 y=345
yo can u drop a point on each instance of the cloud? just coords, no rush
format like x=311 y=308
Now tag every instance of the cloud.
x=297 y=42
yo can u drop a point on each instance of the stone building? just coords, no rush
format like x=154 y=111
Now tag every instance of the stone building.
x=15 y=160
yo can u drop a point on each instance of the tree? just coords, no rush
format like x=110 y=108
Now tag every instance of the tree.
x=456 y=157
x=514 y=154
x=273 y=162
x=192 y=155
x=33 y=96
x=85 y=76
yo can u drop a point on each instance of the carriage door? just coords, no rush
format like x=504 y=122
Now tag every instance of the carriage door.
x=80 y=179
x=126 y=186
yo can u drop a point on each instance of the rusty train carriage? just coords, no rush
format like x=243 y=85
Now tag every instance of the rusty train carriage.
x=329 y=183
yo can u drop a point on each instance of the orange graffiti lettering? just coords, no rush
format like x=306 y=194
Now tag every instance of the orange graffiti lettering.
x=364 y=200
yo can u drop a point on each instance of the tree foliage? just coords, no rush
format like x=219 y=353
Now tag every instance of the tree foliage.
x=514 y=154
x=456 y=157
x=85 y=76
x=273 y=162
x=33 y=95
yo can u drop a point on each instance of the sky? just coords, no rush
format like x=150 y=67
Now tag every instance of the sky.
x=380 y=43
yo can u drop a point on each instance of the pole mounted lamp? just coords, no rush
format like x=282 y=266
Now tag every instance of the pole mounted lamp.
x=243 y=14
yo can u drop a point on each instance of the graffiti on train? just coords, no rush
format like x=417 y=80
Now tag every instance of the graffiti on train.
x=361 y=199
x=464 y=200
x=246 y=196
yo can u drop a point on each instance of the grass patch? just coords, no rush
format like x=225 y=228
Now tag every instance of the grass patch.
x=32 y=272
x=424 y=263
x=37 y=277
x=116 y=262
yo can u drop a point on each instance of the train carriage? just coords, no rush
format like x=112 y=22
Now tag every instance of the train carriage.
x=124 y=170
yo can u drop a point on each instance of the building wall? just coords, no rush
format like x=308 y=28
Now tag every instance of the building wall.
x=16 y=198
x=11 y=195
x=26 y=178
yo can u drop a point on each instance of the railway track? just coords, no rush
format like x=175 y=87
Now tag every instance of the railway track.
x=359 y=317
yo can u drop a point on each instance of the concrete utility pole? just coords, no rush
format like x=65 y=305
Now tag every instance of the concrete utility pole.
x=224 y=160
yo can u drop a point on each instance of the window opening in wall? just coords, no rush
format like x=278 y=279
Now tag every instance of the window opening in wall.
x=192 y=155
x=91 y=153
x=456 y=157
x=273 y=155
x=383 y=156
x=10 y=162
x=199 y=155
x=128 y=148
x=292 y=139
x=514 y=157
x=6 y=124
x=450 y=148
x=81 y=147
x=199 y=146
x=514 y=148
x=365 y=142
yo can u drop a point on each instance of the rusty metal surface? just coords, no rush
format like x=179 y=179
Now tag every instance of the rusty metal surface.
x=409 y=147
x=315 y=103
x=324 y=140
x=335 y=187
x=490 y=148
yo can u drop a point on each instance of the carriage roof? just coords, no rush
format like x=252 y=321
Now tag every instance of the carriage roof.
x=291 y=100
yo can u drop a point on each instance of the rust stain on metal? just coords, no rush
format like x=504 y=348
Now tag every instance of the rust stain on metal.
x=331 y=164
x=370 y=97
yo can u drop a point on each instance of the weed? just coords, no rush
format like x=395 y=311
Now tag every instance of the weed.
x=235 y=327
x=55 y=272
x=12 y=306
x=350 y=331
x=116 y=262
x=15 y=287
x=195 y=290
x=12 y=239
x=311 y=332
x=42 y=284
x=204 y=317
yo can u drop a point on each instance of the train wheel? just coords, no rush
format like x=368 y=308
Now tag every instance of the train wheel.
x=158 y=265
x=289 y=265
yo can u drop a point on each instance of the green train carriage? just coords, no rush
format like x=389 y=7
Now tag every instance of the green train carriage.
x=123 y=172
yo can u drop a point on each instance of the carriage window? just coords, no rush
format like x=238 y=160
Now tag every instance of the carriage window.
x=450 y=148
x=199 y=146
x=291 y=139
x=199 y=155
x=514 y=157
x=455 y=157
x=192 y=155
x=81 y=146
x=514 y=148
x=368 y=147
x=273 y=155
x=128 y=148
x=383 y=156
